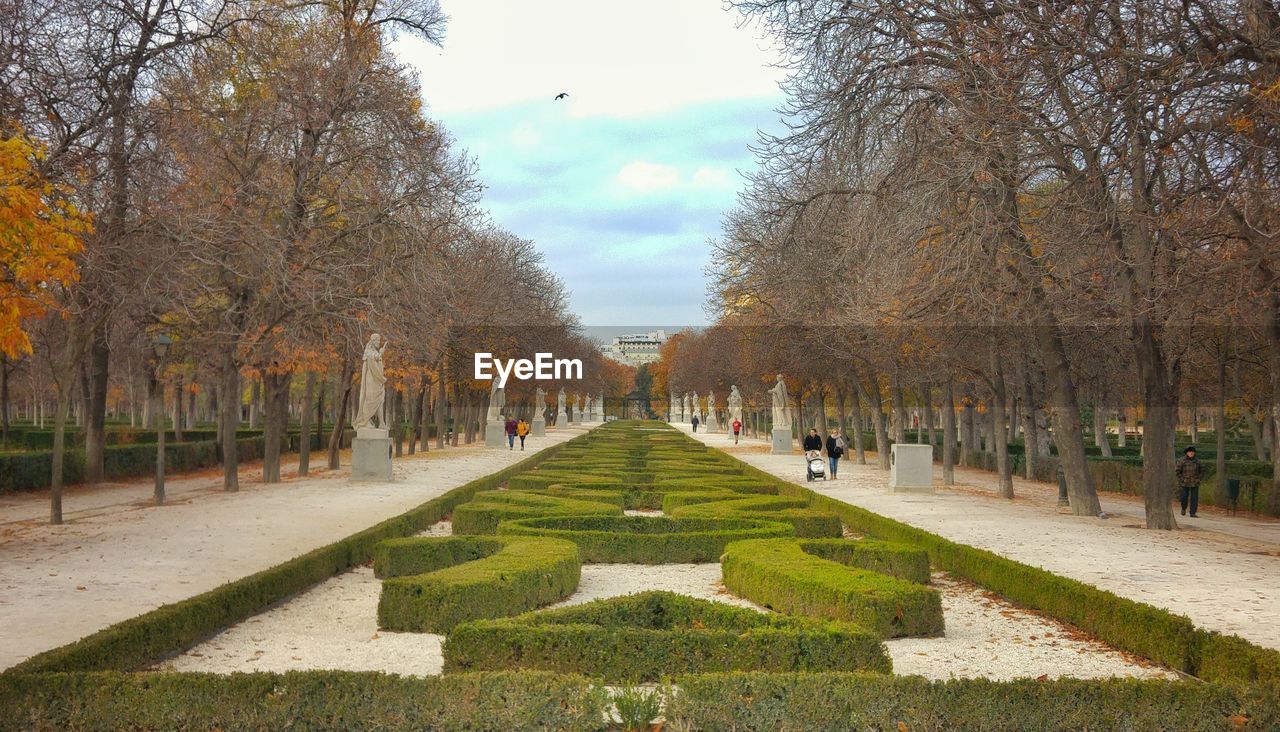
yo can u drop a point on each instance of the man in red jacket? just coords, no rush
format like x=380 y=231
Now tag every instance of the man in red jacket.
x=737 y=427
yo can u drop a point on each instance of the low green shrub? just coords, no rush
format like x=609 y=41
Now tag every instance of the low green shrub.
x=148 y=638
x=467 y=578
x=637 y=707
x=300 y=700
x=482 y=514
x=903 y=561
x=780 y=575
x=835 y=702
x=795 y=511
x=645 y=539
x=647 y=636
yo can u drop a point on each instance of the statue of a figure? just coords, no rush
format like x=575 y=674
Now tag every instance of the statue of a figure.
x=373 y=386
x=781 y=412
x=686 y=410
x=497 y=400
x=712 y=422
x=673 y=413
x=695 y=407
x=539 y=403
x=560 y=403
x=735 y=404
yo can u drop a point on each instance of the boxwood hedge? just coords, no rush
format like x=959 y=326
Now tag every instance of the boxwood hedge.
x=337 y=700
x=148 y=638
x=645 y=539
x=432 y=584
x=780 y=575
x=835 y=702
x=650 y=635
x=482 y=514
x=795 y=511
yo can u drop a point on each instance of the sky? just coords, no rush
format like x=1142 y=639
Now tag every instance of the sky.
x=621 y=184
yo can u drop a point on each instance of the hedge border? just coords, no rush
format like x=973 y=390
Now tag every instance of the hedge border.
x=615 y=640
x=449 y=580
x=1152 y=632
x=701 y=542
x=151 y=637
x=779 y=574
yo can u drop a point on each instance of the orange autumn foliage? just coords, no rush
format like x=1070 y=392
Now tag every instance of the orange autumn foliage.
x=40 y=235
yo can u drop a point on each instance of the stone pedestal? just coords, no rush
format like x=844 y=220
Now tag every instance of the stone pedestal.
x=911 y=469
x=371 y=455
x=495 y=434
x=562 y=419
x=712 y=424
x=538 y=427
x=781 y=441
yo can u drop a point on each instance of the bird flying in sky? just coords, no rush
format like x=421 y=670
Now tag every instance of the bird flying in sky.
x=561 y=95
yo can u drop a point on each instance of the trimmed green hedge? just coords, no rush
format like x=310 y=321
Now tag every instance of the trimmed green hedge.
x=836 y=702
x=903 y=561
x=151 y=637
x=338 y=700
x=482 y=514
x=795 y=511
x=1154 y=633
x=492 y=577
x=645 y=539
x=781 y=575
x=650 y=635
x=24 y=471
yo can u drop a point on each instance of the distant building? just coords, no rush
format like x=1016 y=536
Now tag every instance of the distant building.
x=636 y=349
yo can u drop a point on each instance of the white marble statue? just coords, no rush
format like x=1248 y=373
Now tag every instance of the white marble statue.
x=561 y=414
x=686 y=412
x=539 y=403
x=673 y=413
x=373 y=386
x=735 y=404
x=781 y=411
x=497 y=400
x=696 y=407
x=713 y=424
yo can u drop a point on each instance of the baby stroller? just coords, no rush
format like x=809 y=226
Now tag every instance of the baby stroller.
x=815 y=467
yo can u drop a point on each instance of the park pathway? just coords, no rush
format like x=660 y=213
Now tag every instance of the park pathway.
x=118 y=556
x=1221 y=571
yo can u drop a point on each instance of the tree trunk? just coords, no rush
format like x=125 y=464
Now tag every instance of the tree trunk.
x=928 y=414
x=859 y=441
x=276 y=419
x=96 y=405
x=1064 y=412
x=230 y=422
x=1030 y=434
x=401 y=424
x=304 y=425
x=340 y=417
x=1220 y=433
x=1100 y=430
x=967 y=430
x=423 y=427
x=1122 y=426
x=441 y=403
x=255 y=394
x=1000 y=436
x=899 y=410
x=177 y=409
x=4 y=401
x=59 y=449
x=949 y=435
x=875 y=400
x=1159 y=394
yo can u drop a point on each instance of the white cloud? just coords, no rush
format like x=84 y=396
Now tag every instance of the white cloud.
x=714 y=178
x=613 y=58
x=646 y=177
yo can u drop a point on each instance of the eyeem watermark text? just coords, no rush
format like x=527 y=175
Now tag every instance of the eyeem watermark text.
x=544 y=366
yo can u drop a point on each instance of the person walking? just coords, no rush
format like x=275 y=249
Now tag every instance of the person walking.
x=737 y=427
x=835 y=449
x=694 y=422
x=1189 y=472
x=510 y=426
x=812 y=448
x=522 y=431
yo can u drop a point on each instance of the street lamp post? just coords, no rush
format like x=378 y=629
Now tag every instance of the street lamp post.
x=160 y=344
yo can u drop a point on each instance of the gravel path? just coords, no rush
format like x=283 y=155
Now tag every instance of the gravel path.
x=60 y=583
x=334 y=626
x=1226 y=580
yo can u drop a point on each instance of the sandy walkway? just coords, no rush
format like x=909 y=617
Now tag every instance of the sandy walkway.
x=334 y=626
x=1225 y=579
x=124 y=558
